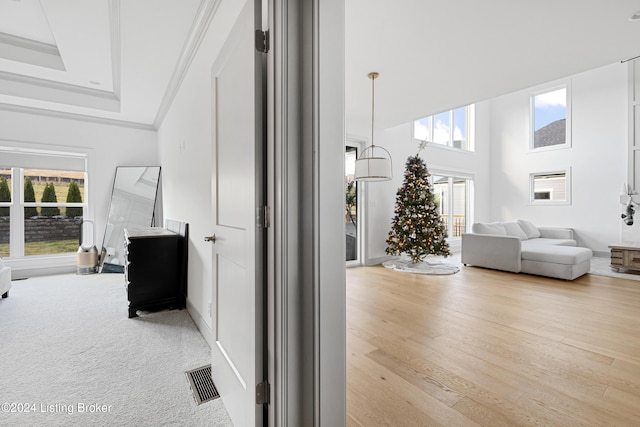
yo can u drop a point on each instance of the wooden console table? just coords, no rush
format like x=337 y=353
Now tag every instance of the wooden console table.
x=625 y=255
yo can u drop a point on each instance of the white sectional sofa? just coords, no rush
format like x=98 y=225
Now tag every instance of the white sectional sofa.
x=5 y=281
x=521 y=247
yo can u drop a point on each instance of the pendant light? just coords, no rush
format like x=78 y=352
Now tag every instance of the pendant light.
x=374 y=163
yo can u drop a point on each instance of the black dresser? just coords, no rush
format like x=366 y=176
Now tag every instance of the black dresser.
x=153 y=269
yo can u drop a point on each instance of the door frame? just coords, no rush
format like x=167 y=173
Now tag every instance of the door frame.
x=306 y=291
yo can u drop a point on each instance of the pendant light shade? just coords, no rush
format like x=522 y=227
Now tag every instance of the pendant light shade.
x=374 y=163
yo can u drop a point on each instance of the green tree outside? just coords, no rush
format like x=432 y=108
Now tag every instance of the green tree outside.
x=29 y=196
x=5 y=196
x=74 y=196
x=350 y=200
x=49 y=196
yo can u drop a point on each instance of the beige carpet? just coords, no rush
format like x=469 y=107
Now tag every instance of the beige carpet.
x=69 y=356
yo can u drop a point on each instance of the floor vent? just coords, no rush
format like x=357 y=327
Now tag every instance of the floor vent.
x=202 y=385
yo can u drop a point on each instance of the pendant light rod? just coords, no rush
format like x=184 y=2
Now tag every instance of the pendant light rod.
x=373 y=163
x=373 y=76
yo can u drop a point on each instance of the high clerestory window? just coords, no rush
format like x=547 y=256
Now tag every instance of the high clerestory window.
x=450 y=128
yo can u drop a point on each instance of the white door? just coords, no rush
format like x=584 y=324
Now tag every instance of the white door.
x=238 y=182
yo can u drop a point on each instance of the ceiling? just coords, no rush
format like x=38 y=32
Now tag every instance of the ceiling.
x=107 y=59
x=124 y=60
x=440 y=54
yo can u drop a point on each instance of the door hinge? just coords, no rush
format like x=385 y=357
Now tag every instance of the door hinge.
x=263 y=219
x=262 y=393
x=262 y=41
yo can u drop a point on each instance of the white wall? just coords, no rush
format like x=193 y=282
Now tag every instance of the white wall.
x=598 y=158
x=107 y=146
x=381 y=196
x=501 y=163
x=185 y=143
x=632 y=233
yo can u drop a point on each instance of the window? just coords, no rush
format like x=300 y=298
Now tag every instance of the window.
x=453 y=197
x=550 y=187
x=450 y=128
x=5 y=211
x=41 y=209
x=550 y=119
x=351 y=203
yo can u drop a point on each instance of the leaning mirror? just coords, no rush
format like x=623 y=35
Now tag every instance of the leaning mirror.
x=133 y=202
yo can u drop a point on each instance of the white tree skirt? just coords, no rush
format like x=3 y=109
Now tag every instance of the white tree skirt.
x=422 y=267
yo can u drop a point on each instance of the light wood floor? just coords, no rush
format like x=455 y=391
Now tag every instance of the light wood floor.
x=489 y=348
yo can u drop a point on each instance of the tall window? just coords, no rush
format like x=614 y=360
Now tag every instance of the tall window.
x=550 y=119
x=450 y=128
x=453 y=197
x=41 y=210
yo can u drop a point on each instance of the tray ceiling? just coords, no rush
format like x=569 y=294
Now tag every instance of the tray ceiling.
x=106 y=59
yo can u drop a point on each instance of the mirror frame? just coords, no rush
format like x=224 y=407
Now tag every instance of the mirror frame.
x=117 y=227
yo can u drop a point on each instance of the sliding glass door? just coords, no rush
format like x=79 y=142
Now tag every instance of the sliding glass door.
x=453 y=196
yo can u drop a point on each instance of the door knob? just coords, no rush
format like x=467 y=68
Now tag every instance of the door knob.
x=211 y=238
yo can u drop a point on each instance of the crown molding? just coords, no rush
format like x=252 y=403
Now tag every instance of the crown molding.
x=204 y=15
x=24 y=43
x=75 y=116
x=115 y=31
x=28 y=51
x=62 y=93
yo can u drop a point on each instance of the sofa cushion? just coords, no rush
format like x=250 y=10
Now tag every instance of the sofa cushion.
x=567 y=255
x=514 y=229
x=529 y=229
x=542 y=241
x=493 y=228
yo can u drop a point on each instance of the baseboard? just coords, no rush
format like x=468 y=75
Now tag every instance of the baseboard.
x=200 y=322
x=48 y=271
x=376 y=261
x=603 y=254
x=45 y=266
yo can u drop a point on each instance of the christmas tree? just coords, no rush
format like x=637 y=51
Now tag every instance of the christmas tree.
x=416 y=228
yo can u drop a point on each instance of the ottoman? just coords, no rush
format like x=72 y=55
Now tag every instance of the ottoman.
x=561 y=262
x=5 y=281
